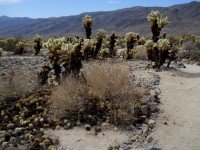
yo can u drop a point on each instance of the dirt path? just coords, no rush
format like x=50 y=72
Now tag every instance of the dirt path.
x=178 y=127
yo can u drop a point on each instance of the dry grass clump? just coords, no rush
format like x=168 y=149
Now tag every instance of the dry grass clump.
x=140 y=53
x=103 y=93
x=16 y=85
x=190 y=52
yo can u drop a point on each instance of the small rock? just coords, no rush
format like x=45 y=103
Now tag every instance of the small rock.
x=145 y=109
x=154 y=108
x=105 y=124
x=150 y=140
x=151 y=123
x=145 y=129
x=115 y=145
x=154 y=147
x=66 y=127
x=116 y=129
x=125 y=146
x=157 y=91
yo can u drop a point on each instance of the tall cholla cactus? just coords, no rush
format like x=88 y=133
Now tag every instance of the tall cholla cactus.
x=157 y=21
x=88 y=23
x=112 y=40
x=37 y=43
x=101 y=34
x=1 y=51
x=20 y=47
x=131 y=39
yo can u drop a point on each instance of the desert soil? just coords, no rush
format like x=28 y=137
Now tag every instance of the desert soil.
x=178 y=127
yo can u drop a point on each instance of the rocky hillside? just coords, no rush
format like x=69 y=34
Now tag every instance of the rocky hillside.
x=185 y=19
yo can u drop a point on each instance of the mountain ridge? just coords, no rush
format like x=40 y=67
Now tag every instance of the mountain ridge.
x=184 y=18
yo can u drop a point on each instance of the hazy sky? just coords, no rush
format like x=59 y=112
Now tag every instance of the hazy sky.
x=55 y=8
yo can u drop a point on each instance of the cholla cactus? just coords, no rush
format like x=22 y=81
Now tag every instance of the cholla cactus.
x=160 y=47
x=54 y=46
x=163 y=45
x=141 y=41
x=158 y=18
x=1 y=51
x=20 y=46
x=112 y=40
x=131 y=39
x=123 y=53
x=88 y=23
x=105 y=52
x=157 y=22
x=101 y=34
x=149 y=45
x=37 y=43
x=88 y=48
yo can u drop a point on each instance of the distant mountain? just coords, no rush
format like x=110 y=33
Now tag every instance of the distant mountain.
x=184 y=18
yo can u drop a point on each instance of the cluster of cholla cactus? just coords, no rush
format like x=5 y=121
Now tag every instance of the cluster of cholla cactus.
x=37 y=43
x=62 y=54
x=159 y=49
x=20 y=47
x=131 y=38
x=88 y=23
x=1 y=51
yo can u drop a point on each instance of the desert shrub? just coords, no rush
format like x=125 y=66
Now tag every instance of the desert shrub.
x=9 y=44
x=190 y=51
x=16 y=85
x=140 y=53
x=105 y=93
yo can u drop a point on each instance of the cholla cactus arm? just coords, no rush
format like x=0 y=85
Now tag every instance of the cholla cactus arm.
x=141 y=41
x=149 y=45
x=101 y=34
x=38 y=38
x=163 y=45
x=157 y=17
x=88 y=23
x=20 y=45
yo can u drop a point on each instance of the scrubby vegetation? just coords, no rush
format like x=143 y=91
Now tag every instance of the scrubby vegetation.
x=83 y=92
x=104 y=93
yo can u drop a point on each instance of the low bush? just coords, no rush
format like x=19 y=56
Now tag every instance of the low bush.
x=103 y=93
x=190 y=51
x=16 y=85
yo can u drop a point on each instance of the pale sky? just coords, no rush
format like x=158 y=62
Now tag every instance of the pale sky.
x=57 y=8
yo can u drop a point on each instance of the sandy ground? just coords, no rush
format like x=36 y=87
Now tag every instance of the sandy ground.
x=178 y=127
x=80 y=139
